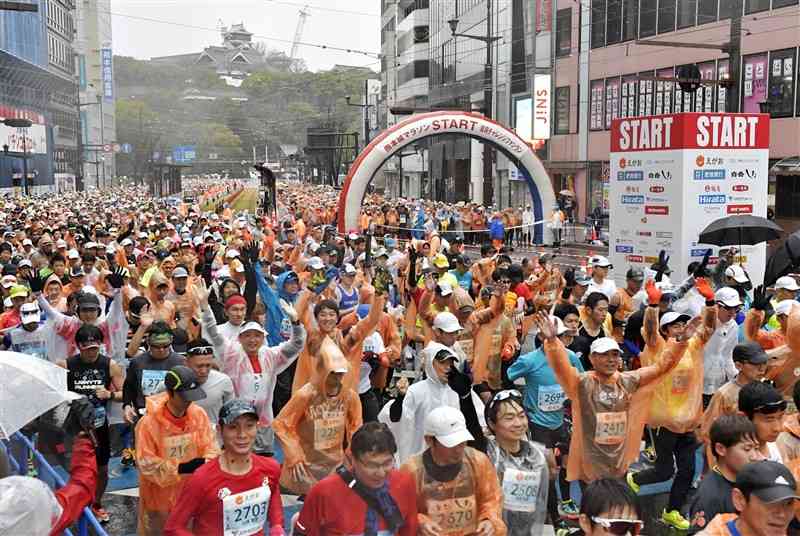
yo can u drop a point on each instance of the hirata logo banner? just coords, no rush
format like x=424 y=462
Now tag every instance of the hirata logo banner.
x=690 y=131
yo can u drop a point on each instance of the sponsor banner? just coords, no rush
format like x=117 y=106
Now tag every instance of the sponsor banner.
x=624 y=249
x=691 y=169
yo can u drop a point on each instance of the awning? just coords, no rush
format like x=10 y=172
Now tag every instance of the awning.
x=786 y=166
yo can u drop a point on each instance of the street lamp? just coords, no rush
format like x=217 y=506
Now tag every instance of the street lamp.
x=23 y=125
x=366 y=106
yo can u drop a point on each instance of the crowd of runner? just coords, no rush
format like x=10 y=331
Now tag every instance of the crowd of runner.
x=407 y=385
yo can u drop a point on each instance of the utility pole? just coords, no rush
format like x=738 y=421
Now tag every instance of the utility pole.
x=735 y=56
x=366 y=113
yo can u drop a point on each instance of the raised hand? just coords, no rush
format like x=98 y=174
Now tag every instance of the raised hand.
x=289 y=310
x=547 y=328
x=116 y=278
x=704 y=288
x=202 y=293
x=700 y=271
x=569 y=277
x=663 y=265
x=36 y=282
x=653 y=293
x=760 y=298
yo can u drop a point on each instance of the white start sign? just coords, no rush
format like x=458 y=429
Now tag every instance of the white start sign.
x=672 y=175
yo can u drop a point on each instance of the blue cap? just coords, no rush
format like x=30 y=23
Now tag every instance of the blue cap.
x=363 y=310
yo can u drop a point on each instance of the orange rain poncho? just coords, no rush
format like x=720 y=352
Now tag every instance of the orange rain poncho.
x=788 y=444
x=753 y=332
x=350 y=345
x=493 y=338
x=312 y=427
x=677 y=399
x=161 y=310
x=459 y=505
x=784 y=365
x=164 y=441
x=608 y=417
x=724 y=402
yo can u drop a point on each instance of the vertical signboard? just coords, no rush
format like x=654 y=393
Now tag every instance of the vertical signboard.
x=107 y=64
x=541 y=106
x=754 y=82
x=672 y=175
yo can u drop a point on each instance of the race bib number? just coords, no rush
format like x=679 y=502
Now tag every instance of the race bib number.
x=245 y=513
x=259 y=387
x=520 y=489
x=454 y=515
x=610 y=428
x=153 y=381
x=551 y=397
x=328 y=432
x=680 y=382
x=177 y=447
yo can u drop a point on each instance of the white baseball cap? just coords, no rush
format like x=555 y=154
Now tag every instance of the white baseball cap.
x=784 y=307
x=253 y=326
x=603 y=345
x=672 y=316
x=448 y=426
x=786 y=282
x=73 y=254
x=445 y=289
x=447 y=322
x=27 y=242
x=600 y=261
x=126 y=242
x=736 y=273
x=727 y=297
x=231 y=254
x=30 y=313
x=315 y=263
x=561 y=328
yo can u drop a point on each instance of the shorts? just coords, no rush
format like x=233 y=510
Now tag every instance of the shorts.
x=103 y=450
x=558 y=438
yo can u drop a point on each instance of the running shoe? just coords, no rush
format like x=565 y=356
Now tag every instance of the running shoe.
x=101 y=515
x=568 y=509
x=650 y=454
x=631 y=483
x=675 y=519
x=128 y=458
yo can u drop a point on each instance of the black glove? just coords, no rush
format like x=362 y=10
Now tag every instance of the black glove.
x=459 y=382
x=190 y=466
x=208 y=255
x=565 y=293
x=249 y=254
x=663 y=265
x=36 y=282
x=116 y=278
x=569 y=277
x=700 y=271
x=760 y=299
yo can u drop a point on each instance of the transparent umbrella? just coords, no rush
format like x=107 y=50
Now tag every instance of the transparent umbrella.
x=29 y=387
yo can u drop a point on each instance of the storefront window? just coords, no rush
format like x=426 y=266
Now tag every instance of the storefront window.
x=646 y=94
x=664 y=91
x=628 y=104
x=754 y=84
x=612 y=100
x=596 y=105
x=781 y=82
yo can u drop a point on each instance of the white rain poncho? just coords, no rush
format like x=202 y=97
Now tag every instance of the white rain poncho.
x=27 y=506
x=524 y=480
x=423 y=397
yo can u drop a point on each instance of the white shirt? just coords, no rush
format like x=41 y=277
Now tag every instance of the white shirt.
x=219 y=389
x=718 y=366
x=607 y=287
x=373 y=343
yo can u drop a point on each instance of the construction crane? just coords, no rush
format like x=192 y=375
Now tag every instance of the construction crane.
x=298 y=34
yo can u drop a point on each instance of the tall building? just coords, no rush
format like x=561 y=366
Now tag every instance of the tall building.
x=598 y=66
x=60 y=31
x=37 y=83
x=94 y=48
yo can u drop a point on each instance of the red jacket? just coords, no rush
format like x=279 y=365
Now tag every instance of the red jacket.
x=79 y=491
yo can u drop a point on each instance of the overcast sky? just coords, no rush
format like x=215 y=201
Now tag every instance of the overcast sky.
x=146 y=28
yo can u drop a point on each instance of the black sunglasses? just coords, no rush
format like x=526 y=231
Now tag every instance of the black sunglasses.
x=201 y=350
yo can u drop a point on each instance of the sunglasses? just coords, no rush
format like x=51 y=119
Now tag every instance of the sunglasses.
x=619 y=527
x=505 y=395
x=201 y=350
x=772 y=407
x=734 y=308
x=159 y=346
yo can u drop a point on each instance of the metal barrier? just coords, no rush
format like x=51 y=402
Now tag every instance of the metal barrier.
x=24 y=448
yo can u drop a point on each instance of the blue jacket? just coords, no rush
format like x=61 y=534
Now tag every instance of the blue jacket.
x=278 y=326
x=497 y=230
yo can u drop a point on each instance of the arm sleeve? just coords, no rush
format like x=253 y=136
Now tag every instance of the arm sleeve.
x=396 y=409
x=467 y=407
x=752 y=324
x=58 y=318
x=650 y=326
x=669 y=359
x=209 y=324
x=565 y=373
x=489 y=496
x=185 y=508
x=160 y=471
x=285 y=427
x=368 y=324
x=520 y=367
x=115 y=320
x=289 y=350
x=308 y=522
x=80 y=489
x=250 y=289
x=275 y=515
x=130 y=391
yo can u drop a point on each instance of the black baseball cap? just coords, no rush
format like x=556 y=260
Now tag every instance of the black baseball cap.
x=637 y=274
x=181 y=379
x=769 y=481
x=87 y=300
x=760 y=397
x=235 y=408
x=750 y=352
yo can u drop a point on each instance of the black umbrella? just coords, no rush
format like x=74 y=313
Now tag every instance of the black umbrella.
x=785 y=260
x=741 y=229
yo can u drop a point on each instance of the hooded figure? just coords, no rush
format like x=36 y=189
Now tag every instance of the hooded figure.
x=160 y=308
x=278 y=326
x=163 y=442
x=314 y=425
x=423 y=397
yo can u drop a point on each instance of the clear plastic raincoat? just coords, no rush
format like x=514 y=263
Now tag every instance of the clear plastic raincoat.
x=524 y=480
